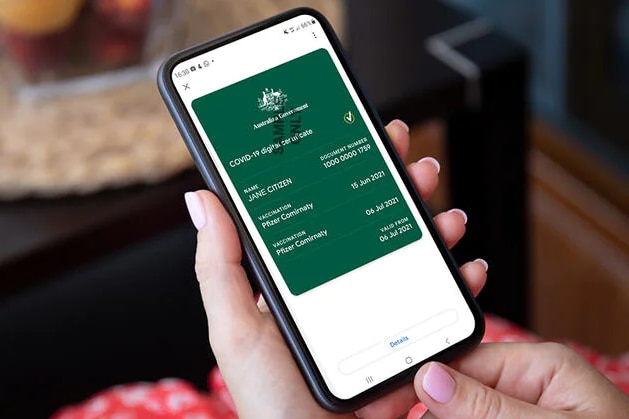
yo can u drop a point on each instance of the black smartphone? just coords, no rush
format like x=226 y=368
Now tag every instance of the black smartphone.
x=363 y=288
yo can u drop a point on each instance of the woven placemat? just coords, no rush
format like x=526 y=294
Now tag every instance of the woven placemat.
x=109 y=139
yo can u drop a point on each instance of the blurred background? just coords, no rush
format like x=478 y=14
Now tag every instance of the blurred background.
x=97 y=282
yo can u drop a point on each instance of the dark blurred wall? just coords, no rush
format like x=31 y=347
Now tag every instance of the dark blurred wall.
x=580 y=66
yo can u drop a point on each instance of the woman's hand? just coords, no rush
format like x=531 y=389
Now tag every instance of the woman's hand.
x=519 y=380
x=254 y=360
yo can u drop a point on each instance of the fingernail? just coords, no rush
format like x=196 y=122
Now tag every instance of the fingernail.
x=432 y=161
x=483 y=262
x=438 y=384
x=358 y=414
x=195 y=209
x=460 y=211
x=401 y=124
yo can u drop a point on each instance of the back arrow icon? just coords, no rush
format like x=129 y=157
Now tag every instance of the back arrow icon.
x=286 y=31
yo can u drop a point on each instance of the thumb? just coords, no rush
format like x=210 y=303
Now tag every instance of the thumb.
x=449 y=394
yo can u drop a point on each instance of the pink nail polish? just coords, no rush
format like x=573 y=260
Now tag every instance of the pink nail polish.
x=439 y=384
x=460 y=211
x=483 y=262
x=401 y=124
x=195 y=209
x=432 y=161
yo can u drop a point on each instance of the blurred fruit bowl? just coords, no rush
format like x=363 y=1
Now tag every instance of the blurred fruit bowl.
x=52 y=40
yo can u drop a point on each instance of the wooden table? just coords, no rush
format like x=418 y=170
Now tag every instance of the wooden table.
x=40 y=238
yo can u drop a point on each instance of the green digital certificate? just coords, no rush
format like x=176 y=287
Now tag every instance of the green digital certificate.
x=307 y=170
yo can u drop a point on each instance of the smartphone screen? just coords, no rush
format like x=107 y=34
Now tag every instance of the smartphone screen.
x=344 y=242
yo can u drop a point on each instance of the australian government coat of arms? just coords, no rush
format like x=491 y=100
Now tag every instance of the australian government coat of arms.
x=272 y=100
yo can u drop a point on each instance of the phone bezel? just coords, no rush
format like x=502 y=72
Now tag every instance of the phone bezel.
x=251 y=257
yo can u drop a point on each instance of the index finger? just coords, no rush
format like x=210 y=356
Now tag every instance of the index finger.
x=227 y=295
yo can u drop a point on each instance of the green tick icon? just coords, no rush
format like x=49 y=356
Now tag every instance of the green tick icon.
x=349 y=117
